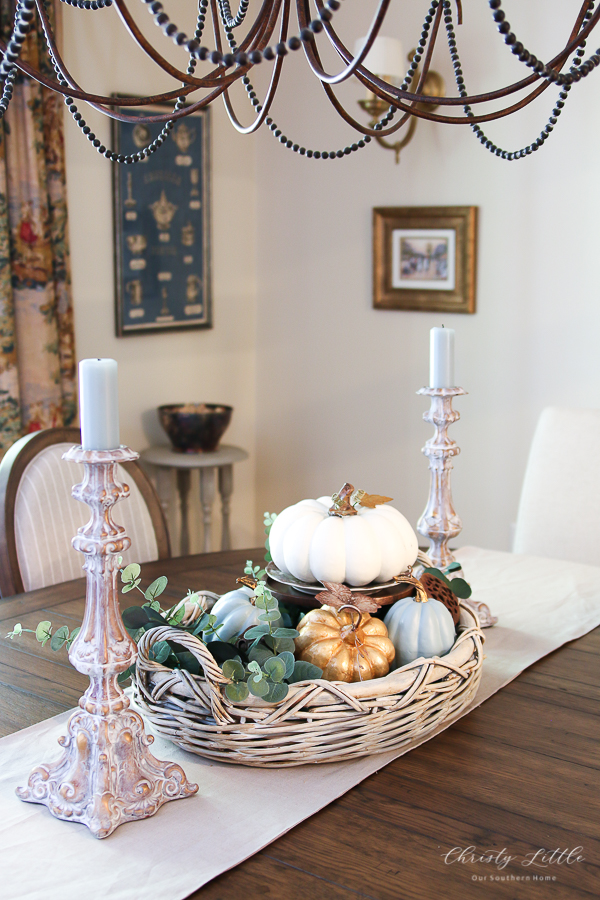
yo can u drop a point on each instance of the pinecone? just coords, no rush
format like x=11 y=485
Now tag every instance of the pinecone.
x=439 y=591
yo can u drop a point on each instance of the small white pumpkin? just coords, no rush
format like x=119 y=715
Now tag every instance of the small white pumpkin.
x=311 y=543
x=235 y=613
x=418 y=627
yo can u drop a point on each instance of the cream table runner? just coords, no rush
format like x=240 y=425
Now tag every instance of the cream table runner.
x=540 y=605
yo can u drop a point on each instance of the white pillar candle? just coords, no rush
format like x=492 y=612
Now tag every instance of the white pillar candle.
x=99 y=404
x=441 y=358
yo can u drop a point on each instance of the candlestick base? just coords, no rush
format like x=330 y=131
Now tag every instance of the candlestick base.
x=106 y=776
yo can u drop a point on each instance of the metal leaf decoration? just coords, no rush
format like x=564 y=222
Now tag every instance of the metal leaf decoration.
x=338 y=595
x=370 y=501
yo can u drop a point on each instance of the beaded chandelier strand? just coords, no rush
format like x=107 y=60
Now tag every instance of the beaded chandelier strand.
x=258 y=46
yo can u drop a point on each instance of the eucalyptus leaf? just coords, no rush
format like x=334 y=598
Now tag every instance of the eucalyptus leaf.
x=43 y=632
x=276 y=692
x=177 y=615
x=260 y=653
x=460 y=588
x=130 y=586
x=156 y=588
x=136 y=617
x=271 y=601
x=283 y=645
x=271 y=615
x=288 y=660
x=130 y=573
x=275 y=668
x=453 y=566
x=59 y=638
x=258 y=688
x=237 y=693
x=260 y=602
x=233 y=669
x=304 y=671
x=254 y=667
x=285 y=633
x=188 y=661
x=160 y=651
x=256 y=631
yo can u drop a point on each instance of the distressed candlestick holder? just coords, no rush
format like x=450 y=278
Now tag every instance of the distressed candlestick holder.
x=439 y=522
x=106 y=775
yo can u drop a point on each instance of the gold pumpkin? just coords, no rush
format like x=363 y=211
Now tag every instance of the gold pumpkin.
x=347 y=644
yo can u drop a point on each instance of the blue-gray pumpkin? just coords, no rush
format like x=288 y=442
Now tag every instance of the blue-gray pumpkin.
x=419 y=626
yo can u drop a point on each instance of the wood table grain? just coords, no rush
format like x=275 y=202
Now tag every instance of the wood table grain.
x=517 y=775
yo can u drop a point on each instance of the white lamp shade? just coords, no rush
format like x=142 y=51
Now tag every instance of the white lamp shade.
x=386 y=57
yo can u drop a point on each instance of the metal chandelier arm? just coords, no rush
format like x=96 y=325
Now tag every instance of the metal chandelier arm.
x=273 y=84
x=386 y=91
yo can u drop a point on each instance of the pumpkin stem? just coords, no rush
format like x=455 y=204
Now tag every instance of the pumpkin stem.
x=341 y=502
x=407 y=578
x=247 y=581
x=354 y=626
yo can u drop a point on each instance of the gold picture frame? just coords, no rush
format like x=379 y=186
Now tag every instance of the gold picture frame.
x=425 y=258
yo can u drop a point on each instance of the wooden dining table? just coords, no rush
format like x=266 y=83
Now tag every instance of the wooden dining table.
x=517 y=777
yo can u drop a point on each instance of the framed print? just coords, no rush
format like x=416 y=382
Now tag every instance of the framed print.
x=424 y=258
x=162 y=221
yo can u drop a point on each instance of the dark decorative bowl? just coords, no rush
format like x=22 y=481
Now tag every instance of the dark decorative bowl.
x=195 y=427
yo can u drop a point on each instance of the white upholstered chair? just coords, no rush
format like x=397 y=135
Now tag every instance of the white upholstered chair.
x=38 y=515
x=559 y=511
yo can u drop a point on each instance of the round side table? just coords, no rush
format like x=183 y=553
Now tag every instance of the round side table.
x=221 y=461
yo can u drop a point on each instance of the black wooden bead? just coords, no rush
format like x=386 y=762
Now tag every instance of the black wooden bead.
x=281 y=49
x=310 y=154
x=268 y=54
x=316 y=27
x=215 y=57
x=255 y=57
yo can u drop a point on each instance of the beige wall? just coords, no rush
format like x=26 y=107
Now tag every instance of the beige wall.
x=337 y=399
x=216 y=365
x=325 y=383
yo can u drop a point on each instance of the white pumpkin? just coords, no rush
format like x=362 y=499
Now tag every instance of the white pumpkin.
x=419 y=629
x=235 y=613
x=374 y=545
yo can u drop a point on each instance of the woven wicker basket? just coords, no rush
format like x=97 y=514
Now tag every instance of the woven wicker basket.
x=319 y=721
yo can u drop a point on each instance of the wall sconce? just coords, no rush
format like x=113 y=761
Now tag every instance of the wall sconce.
x=386 y=60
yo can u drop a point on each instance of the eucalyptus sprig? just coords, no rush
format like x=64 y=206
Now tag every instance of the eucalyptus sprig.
x=43 y=633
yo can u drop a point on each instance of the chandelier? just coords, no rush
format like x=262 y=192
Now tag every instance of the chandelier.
x=232 y=47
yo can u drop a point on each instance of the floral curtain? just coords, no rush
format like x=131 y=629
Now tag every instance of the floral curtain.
x=37 y=347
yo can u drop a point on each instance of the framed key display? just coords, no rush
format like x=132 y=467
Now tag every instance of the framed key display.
x=162 y=226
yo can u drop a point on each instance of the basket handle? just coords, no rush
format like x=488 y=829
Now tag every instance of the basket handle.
x=213 y=675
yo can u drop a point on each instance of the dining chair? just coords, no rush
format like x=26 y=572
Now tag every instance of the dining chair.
x=38 y=515
x=559 y=510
